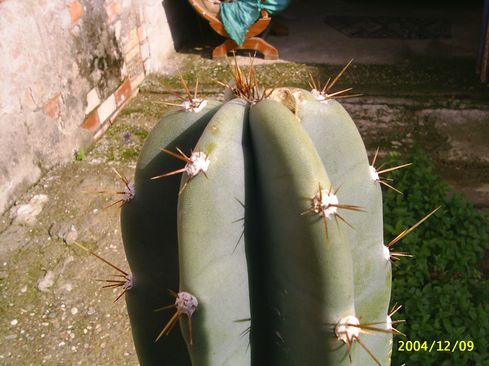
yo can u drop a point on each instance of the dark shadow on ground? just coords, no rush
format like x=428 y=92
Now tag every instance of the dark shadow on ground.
x=191 y=33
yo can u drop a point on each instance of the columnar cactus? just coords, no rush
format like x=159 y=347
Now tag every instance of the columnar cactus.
x=270 y=242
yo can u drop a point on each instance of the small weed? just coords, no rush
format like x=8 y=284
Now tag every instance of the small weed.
x=129 y=154
x=80 y=154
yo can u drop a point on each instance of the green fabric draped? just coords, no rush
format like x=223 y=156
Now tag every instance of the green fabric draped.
x=238 y=16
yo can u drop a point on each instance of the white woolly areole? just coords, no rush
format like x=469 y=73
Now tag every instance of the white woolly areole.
x=196 y=105
x=373 y=174
x=129 y=284
x=387 y=253
x=345 y=329
x=129 y=192
x=186 y=303
x=318 y=95
x=388 y=322
x=198 y=163
x=322 y=202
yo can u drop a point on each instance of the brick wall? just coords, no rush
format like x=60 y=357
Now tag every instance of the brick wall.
x=127 y=22
x=67 y=68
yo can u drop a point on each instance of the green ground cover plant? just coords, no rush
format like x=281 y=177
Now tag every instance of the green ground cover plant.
x=443 y=293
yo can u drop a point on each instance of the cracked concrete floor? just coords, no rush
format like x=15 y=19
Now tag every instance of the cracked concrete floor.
x=52 y=309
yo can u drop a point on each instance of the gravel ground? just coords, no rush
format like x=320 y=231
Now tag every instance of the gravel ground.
x=52 y=309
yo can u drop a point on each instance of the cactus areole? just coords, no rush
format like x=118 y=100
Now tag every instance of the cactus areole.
x=265 y=223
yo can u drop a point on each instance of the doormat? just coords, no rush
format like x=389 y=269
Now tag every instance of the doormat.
x=391 y=27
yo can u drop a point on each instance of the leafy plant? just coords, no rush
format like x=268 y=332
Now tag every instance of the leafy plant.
x=80 y=154
x=444 y=295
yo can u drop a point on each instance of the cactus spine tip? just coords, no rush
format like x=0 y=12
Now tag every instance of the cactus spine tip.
x=376 y=172
x=127 y=194
x=124 y=279
x=394 y=255
x=323 y=94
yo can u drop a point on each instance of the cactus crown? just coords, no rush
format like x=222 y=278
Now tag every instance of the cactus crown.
x=245 y=84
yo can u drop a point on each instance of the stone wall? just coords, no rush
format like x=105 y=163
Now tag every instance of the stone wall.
x=67 y=68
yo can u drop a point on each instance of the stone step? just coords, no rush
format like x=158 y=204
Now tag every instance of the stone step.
x=454 y=133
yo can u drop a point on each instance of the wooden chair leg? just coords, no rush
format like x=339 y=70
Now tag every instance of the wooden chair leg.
x=254 y=43
x=222 y=50
x=259 y=44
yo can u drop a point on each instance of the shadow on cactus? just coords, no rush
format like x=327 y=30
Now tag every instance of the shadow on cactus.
x=314 y=290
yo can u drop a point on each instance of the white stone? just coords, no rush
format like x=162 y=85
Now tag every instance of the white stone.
x=26 y=213
x=46 y=282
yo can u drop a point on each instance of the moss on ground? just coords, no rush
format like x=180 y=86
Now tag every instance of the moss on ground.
x=456 y=79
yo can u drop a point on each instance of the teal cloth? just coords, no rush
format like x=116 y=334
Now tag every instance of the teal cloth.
x=238 y=16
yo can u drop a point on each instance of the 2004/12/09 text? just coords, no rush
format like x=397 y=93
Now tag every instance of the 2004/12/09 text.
x=435 y=346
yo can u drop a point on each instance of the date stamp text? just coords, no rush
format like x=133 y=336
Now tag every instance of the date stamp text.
x=435 y=346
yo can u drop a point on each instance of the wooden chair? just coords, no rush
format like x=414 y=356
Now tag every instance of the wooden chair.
x=210 y=11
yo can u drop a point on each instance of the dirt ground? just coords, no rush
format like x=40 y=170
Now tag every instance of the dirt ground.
x=53 y=310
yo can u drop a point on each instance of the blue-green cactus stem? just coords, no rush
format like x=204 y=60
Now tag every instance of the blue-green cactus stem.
x=213 y=264
x=149 y=230
x=309 y=274
x=342 y=151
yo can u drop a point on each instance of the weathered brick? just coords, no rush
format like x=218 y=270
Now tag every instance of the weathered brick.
x=123 y=93
x=144 y=51
x=113 y=10
x=117 y=29
x=141 y=33
x=52 y=107
x=134 y=69
x=91 y=122
x=76 y=10
x=93 y=100
x=138 y=79
x=106 y=109
x=131 y=41
x=135 y=53
x=147 y=66
x=126 y=3
x=124 y=69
